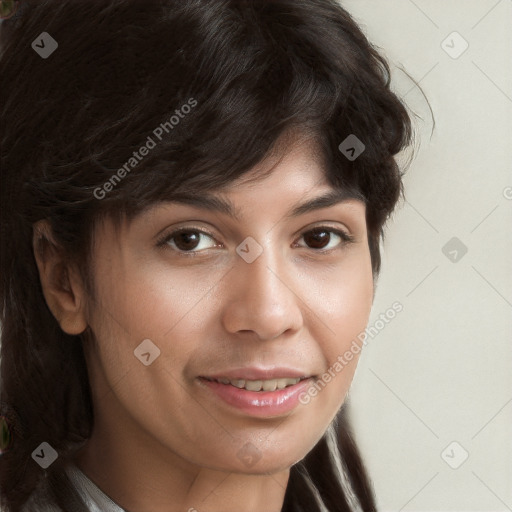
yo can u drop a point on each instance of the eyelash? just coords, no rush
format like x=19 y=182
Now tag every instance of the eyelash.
x=165 y=239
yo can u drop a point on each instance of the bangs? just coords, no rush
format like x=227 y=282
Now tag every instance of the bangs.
x=178 y=97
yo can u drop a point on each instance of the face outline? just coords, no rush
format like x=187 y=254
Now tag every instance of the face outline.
x=291 y=307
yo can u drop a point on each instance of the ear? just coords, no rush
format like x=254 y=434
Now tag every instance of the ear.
x=61 y=282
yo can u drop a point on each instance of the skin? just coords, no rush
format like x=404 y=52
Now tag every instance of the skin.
x=160 y=441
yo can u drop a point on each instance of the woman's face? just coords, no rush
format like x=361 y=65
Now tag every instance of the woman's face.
x=251 y=298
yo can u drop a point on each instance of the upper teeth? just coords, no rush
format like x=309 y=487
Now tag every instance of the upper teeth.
x=258 y=385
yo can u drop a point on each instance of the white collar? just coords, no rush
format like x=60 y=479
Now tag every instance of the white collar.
x=94 y=498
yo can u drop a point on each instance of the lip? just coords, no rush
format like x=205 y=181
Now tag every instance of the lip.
x=260 y=404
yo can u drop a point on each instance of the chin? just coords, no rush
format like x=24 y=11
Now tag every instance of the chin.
x=268 y=462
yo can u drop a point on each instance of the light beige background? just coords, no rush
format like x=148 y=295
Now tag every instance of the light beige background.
x=440 y=371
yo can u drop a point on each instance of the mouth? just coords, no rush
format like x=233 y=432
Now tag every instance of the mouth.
x=259 y=385
x=262 y=398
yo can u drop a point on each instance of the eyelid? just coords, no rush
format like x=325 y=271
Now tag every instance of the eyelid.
x=327 y=225
x=168 y=235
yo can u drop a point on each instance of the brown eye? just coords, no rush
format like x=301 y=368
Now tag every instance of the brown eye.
x=185 y=240
x=320 y=237
x=317 y=239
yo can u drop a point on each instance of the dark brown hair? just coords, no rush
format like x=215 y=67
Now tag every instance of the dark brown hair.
x=70 y=121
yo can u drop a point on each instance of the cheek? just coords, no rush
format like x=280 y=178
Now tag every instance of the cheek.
x=137 y=303
x=352 y=302
x=341 y=304
x=140 y=301
x=341 y=297
x=143 y=300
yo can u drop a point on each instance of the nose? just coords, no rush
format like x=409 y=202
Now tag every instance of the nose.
x=263 y=298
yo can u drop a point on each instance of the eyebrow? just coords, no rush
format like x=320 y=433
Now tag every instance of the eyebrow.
x=214 y=203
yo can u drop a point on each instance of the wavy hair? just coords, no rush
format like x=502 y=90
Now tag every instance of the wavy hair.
x=256 y=70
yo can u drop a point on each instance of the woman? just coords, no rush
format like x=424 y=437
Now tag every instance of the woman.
x=193 y=195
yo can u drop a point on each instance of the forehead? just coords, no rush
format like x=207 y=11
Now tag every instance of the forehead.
x=289 y=182
x=295 y=178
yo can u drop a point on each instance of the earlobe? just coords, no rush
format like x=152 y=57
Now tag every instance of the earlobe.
x=62 y=285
